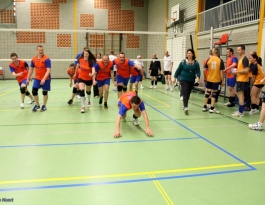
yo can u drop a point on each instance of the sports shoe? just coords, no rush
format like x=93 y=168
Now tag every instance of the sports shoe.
x=31 y=101
x=167 y=88
x=226 y=104
x=204 y=109
x=82 y=110
x=78 y=96
x=105 y=105
x=231 y=105
x=43 y=108
x=70 y=102
x=255 y=126
x=100 y=100
x=214 y=111
x=96 y=96
x=35 y=108
x=22 y=105
x=114 y=89
x=181 y=98
x=155 y=87
x=142 y=87
x=186 y=110
x=253 y=111
x=135 y=122
x=237 y=114
x=151 y=87
x=88 y=104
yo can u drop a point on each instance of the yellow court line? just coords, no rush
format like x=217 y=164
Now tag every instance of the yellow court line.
x=126 y=174
x=155 y=99
x=8 y=92
x=162 y=191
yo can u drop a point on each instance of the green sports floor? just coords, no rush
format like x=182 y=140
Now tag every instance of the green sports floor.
x=63 y=157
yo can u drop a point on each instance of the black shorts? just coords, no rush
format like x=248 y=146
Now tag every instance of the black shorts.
x=213 y=86
x=259 y=86
x=154 y=72
x=87 y=82
x=167 y=72
x=242 y=86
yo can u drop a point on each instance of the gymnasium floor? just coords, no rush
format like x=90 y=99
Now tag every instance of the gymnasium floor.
x=63 y=157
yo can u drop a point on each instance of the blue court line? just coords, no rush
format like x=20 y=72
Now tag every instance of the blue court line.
x=121 y=181
x=92 y=143
x=213 y=144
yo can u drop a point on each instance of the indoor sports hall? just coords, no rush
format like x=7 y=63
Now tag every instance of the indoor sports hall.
x=61 y=156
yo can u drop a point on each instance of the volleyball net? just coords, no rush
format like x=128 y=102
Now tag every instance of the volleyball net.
x=62 y=45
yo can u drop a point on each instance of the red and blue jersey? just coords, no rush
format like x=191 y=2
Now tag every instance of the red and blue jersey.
x=123 y=69
x=41 y=65
x=22 y=67
x=103 y=71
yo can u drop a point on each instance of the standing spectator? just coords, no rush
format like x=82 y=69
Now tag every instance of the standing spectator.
x=123 y=72
x=19 y=69
x=215 y=67
x=154 y=70
x=258 y=125
x=111 y=58
x=104 y=70
x=42 y=65
x=231 y=63
x=258 y=84
x=86 y=71
x=168 y=64
x=242 y=79
x=188 y=73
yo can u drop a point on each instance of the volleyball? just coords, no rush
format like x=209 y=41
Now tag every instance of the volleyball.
x=232 y=70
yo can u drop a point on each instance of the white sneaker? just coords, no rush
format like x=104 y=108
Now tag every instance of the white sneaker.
x=142 y=87
x=208 y=106
x=237 y=114
x=31 y=101
x=78 y=96
x=204 y=109
x=151 y=87
x=226 y=104
x=22 y=105
x=82 y=110
x=214 y=111
x=154 y=87
x=135 y=122
x=255 y=126
x=253 y=111
x=181 y=98
x=114 y=89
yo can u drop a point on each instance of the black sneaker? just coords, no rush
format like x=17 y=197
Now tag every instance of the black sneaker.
x=70 y=102
x=105 y=105
x=35 y=108
x=100 y=100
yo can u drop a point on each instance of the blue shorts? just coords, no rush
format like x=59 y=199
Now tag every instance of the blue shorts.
x=46 y=86
x=122 y=80
x=134 y=79
x=212 y=86
x=231 y=82
x=24 y=81
x=106 y=81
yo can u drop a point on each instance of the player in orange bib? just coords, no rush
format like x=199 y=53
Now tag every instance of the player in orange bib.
x=19 y=69
x=104 y=70
x=71 y=73
x=42 y=65
x=130 y=100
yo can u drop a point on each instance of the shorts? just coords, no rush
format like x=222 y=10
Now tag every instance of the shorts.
x=24 y=81
x=212 y=86
x=135 y=79
x=259 y=86
x=46 y=86
x=122 y=80
x=106 y=81
x=86 y=82
x=242 y=86
x=154 y=72
x=167 y=72
x=231 y=82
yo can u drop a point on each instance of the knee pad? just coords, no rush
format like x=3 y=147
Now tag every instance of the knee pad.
x=27 y=93
x=119 y=88
x=44 y=92
x=124 y=89
x=88 y=92
x=22 y=90
x=74 y=90
x=207 y=94
x=82 y=93
x=34 y=91
x=215 y=95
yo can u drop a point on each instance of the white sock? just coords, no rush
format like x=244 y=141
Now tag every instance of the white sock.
x=83 y=101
